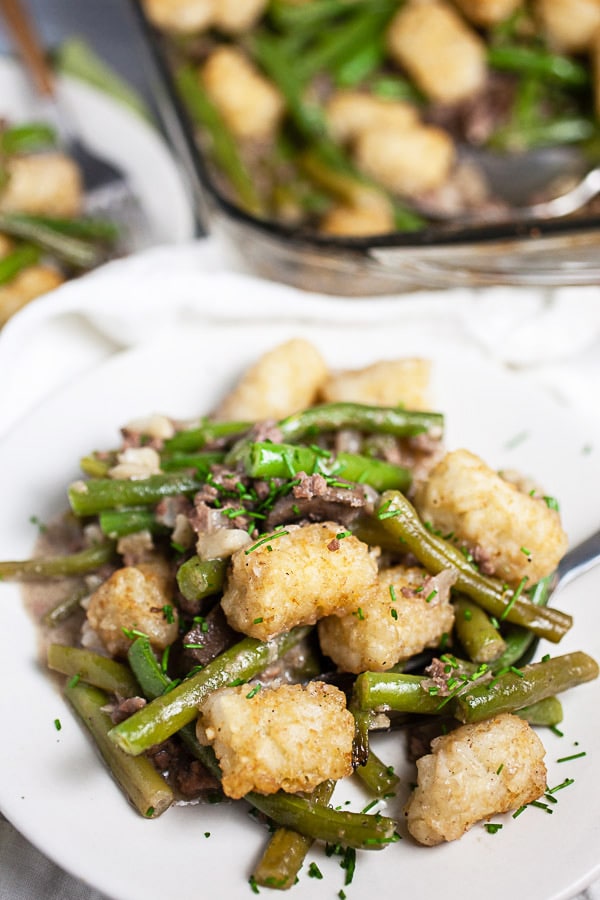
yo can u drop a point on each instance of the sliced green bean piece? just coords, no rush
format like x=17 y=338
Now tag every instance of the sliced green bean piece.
x=201 y=462
x=268 y=460
x=547 y=712
x=168 y=713
x=395 y=691
x=74 y=251
x=86 y=229
x=189 y=440
x=512 y=690
x=28 y=138
x=380 y=779
x=350 y=829
x=284 y=855
x=88 y=498
x=18 y=259
x=65 y=608
x=100 y=671
x=521 y=642
x=362 y=417
x=199 y=578
x=400 y=518
x=476 y=632
x=80 y=563
x=116 y=523
x=223 y=146
x=543 y=63
x=144 y=786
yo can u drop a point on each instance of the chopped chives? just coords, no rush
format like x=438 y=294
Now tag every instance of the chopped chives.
x=573 y=756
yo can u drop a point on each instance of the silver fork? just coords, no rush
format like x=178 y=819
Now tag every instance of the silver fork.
x=108 y=192
x=575 y=562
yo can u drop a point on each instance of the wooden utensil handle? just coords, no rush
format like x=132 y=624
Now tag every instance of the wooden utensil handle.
x=27 y=42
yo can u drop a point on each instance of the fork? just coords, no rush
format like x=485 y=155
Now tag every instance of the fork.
x=108 y=192
x=575 y=562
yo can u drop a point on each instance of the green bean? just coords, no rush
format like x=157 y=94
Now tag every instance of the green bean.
x=65 y=608
x=223 y=146
x=191 y=439
x=199 y=578
x=476 y=632
x=372 y=419
x=154 y=682
x=74 y=251
x=201 y=462
x=307 y=15
x=562 y=130
x=352 y=188
x=145 y=787
x=308 y=117
x=95 y=467
x=89 y=229
x=334 y=48
x=268 y=460
x=308 y=816
x=28 y=138
x=380 y=779
x=547 y=712
x=520 y=642
x=539 y=62
x=116 y=523
x=284 y=855
x=88 y=498
x=360 y=66
x=358 y=830
x=80 y=563
x=395 y=691
x=18 y=259
x=338 y=180
x=399 y=517
x=100 y=671
x=168 y=713
x=516 y=688
x=75 y=57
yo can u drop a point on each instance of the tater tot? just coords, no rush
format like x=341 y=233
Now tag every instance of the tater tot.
x=180 y=16
x=283 y=381
x=350 y=113
x=472 y=773
x=134 y=597
x=234 y=17
x=26 y=286
x=250 y=104
x=352 y=221
x=402 y=614
x=288 y=738
x=299 y=575
x=42 y=184
x=569 y=24
x=407 y=162
x=393 y=382
x=438 y=49
x=511 y=534
x=488 y=12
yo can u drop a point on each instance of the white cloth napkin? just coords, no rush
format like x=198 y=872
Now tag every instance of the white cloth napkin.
x=551 y=336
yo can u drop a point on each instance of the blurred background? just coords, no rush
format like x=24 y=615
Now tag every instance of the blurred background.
x=109 y=27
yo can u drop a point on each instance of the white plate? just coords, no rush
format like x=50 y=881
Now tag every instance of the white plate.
x=123 y=137
x=54 y=788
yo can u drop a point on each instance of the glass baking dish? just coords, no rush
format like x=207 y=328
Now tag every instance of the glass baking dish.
x=548 y=253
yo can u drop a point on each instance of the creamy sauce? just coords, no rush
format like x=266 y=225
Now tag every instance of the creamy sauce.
x=41 y=597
